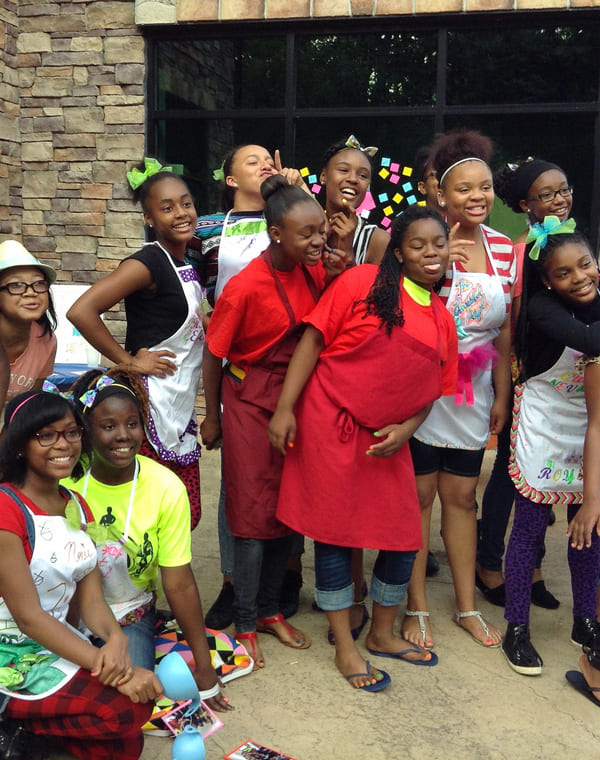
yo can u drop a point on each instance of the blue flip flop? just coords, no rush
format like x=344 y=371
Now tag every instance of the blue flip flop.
x=577 y=681
x=402 y=656
x=379 y=685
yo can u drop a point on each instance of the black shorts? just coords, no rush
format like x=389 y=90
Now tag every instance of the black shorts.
x=428 y=459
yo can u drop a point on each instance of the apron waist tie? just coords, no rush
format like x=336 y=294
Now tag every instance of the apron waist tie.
x=481 y=357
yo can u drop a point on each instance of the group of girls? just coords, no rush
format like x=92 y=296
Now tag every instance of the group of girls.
x=318 y=382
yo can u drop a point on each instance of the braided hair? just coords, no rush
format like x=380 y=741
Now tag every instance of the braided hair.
x=120 y=374
x=384 y=299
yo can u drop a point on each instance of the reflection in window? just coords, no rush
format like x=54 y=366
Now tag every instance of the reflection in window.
x=523 y=66
x=392 y=69
x=220 y=74
x=386 y=88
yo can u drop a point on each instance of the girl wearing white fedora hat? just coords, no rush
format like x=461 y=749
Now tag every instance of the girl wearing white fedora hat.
x=27 y=318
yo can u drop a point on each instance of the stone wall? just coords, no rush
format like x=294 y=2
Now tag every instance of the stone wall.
x=10 y=142
x=72 y=118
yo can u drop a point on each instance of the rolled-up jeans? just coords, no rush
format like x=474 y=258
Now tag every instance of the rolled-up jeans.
x=333 y=576
x=258 y=572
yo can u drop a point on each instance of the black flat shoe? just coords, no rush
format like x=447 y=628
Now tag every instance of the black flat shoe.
x=433 y=566
x=220 y=615
x=496 y=596
x=15 y=742
x=289 y=598
x=541 y=597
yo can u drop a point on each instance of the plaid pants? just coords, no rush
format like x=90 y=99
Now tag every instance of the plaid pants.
x=92 y=721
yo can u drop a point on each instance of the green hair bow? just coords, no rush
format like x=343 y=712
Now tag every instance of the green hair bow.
x=352 y=142
x=219 y=174
x=151 y=166
x=538 y=233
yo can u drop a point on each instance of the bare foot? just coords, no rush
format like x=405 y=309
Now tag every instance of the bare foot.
x=391 y=644
x=411 y=630
x=474 y=625
x=353 y=665
x=591 y=675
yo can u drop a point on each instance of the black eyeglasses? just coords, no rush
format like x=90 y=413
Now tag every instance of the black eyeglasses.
x=50 y=437
x=550 y=195
x=20 y=288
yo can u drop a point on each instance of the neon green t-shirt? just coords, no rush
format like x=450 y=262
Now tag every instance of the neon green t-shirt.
x=159 y=530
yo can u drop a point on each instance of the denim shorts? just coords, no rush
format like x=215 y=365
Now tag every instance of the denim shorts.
x=428 y=459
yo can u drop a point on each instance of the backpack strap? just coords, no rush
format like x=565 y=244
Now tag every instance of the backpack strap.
x=26 y=513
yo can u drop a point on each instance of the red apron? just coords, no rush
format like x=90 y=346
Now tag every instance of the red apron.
x=251 y=466
x=331 y=490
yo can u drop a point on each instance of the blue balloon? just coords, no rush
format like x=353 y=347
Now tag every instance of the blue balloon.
x=177 y=681
x=188 y=745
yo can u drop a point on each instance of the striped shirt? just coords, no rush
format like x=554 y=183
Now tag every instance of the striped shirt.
x=499 y=249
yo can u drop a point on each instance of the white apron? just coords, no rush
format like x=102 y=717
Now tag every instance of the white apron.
x=478 y=305
x=120 y=592
x=241 y=242
x=61 y=557
x=547 y=434
x=171 y=427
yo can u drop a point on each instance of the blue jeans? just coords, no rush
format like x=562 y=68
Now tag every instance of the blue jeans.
x=258 y=573
x=141 y=637
x=496 y=507
x=226 y=539
x=333 y=577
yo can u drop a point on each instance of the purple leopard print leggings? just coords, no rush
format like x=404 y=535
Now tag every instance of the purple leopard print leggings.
x=529 y=529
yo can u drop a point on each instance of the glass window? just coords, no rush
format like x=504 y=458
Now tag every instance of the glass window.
x=391 y=69
x=523 y=65
x=383 y=84
x=220 y=74
x=201 y=144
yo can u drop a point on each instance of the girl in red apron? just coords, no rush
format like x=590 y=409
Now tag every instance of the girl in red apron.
x=143 y=517
x=256 y=325
x=346 y=177
x=54 y=680
x=448 y=448
x=164 y=338
x=222 y=245
x=378 y=350
x=560 y=300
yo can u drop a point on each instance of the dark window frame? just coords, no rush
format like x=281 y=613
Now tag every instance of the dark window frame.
x=440 y=110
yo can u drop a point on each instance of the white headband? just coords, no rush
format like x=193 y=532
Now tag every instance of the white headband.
x=456 y=163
